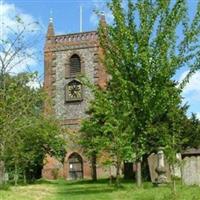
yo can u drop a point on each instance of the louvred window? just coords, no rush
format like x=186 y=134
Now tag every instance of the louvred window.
x=75 y=65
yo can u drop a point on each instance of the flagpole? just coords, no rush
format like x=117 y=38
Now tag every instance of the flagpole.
x=81 y=19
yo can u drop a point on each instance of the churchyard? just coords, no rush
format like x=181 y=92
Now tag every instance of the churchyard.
x=110 y=107
x=87 y=190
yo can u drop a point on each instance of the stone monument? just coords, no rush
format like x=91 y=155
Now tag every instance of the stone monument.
x=153 y=162
x=191 y=167
x=161 y=168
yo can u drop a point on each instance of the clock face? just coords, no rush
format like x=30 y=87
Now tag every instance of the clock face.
x=75 y=91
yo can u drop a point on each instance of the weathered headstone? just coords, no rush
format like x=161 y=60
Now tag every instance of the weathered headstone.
x=152 y=162
x=161 y=169
x=176 y=170
x=191 y=167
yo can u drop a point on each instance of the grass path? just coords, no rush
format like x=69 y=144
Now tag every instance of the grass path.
x=86 y=190
x=29 y=192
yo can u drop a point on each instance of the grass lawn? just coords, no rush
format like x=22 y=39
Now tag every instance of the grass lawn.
x=86 y=190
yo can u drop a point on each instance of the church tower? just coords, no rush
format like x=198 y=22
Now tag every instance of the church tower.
x=66 y=57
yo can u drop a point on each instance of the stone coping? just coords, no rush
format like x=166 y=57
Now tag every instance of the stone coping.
x=191 y=152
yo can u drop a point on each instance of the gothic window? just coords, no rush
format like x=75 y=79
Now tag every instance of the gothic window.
x=75 y=65
x=74 y=91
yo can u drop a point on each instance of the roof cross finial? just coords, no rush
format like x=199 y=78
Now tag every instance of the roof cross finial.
x=51 y=16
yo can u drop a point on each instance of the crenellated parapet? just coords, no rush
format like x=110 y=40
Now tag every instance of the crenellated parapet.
x=79 y=40
x=77 y=37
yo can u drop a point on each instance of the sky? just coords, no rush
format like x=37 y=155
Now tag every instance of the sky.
x=66 y=16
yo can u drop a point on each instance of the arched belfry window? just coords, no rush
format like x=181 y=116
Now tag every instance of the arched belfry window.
x=73 y=91
x=75 y=65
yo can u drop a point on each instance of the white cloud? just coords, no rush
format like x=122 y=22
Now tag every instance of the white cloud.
x=8 y=13
x=10 y=25
x=191 y=93
x=100 y=6
x=34 y=83
x=192 y=89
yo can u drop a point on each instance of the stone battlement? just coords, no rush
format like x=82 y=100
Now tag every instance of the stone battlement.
x=76 y=37
x=74 y=40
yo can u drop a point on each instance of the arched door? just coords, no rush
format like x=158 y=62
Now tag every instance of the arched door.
x=75 y=166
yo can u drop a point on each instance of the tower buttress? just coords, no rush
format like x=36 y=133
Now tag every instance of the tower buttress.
x=48 y=66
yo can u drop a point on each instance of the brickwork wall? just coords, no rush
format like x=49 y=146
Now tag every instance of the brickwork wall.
x=58 y=50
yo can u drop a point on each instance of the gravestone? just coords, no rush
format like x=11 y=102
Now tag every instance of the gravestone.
x=191 y=167
x=161 y=168
x=153 y=163
x=176 y=171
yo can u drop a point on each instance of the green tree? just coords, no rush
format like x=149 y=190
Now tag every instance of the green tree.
x=26 y=134
x=92 y=139
x=143 y=50
x=104 y=132
x=191 y=132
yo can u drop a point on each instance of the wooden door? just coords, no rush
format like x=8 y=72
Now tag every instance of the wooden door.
x=75 y=167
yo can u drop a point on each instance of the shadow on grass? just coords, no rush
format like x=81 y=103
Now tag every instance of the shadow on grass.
x=84 y=191
x=83 y=182
x=5 y=187
x=84 y=188
x=49 y=182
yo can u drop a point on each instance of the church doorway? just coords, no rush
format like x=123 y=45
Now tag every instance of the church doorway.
x=75 y=166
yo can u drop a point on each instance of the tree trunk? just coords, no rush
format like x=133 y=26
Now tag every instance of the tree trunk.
x=24 y=176
x=2 y=172
x=139 y=173
x=16 y=175
x=94 y=167
x=110 y=175
x=118 y=173
x=173 y=179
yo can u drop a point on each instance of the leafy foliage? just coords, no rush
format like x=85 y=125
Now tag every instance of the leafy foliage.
x=191 y=132
x=143 y=49
x=26 y=135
